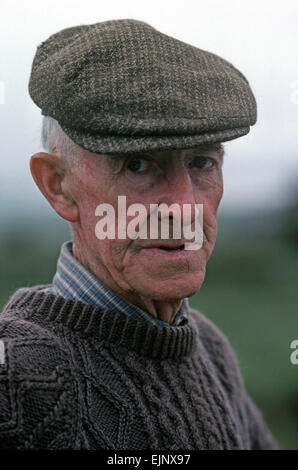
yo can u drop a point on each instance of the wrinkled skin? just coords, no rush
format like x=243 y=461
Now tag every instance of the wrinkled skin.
x=152 y=279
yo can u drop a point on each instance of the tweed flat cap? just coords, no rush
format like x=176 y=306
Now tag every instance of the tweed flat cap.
x=121 y=86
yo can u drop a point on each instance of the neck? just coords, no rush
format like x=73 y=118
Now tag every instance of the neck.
x=164 y=310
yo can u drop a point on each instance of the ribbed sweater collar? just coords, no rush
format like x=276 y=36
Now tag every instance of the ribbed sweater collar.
x=113 y=328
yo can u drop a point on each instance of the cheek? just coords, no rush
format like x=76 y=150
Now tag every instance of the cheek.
x=90 y=197
x=92 y=185
x=210 y=207
x=112 y=253
x=210 y=226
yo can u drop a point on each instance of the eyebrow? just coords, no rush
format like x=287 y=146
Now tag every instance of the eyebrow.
x=217 y=149
x=115 y=159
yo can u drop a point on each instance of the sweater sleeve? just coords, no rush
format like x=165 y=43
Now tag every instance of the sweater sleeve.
x=259 y=435
x=229 y=373
x=37 y=400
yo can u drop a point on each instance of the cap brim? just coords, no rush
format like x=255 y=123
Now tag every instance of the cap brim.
x=109 y=144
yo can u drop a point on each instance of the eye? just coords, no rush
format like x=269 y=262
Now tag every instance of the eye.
x=138 y=165
x=204 y=163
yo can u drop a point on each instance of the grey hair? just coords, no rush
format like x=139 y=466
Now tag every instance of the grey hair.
x=54 y=140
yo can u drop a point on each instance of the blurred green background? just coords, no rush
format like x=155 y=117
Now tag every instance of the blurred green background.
x=250 y=293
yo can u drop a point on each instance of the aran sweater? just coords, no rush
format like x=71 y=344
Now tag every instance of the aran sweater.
x=81 y=377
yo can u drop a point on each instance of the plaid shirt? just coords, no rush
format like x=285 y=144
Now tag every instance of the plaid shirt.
x=73 y=281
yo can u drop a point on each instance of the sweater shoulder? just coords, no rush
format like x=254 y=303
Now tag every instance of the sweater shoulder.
x=20 y=333
x=18 y=329
x=219 y=350
x=210 y=334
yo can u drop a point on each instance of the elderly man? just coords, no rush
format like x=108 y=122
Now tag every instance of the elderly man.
x=110 y=355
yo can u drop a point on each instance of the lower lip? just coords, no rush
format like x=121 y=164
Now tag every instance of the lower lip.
x=169 y=255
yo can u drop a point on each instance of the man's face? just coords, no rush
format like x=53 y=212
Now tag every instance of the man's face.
x=135 y=266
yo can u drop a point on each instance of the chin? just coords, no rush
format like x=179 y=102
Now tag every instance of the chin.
x=172 y=289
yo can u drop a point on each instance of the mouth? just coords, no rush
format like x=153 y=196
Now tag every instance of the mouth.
x=163 y=253
x=168 y=248
x=176 y=247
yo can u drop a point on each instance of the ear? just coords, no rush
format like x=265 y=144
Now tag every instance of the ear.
x=49 y=174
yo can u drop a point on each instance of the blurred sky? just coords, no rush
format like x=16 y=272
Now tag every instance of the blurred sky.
x=260 y=37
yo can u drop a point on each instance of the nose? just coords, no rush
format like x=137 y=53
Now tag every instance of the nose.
x=179 y=189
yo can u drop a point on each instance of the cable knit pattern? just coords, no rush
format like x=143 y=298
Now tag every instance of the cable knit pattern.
x=81 y=377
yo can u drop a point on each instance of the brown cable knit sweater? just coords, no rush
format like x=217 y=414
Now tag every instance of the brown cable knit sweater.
x=79 y=377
